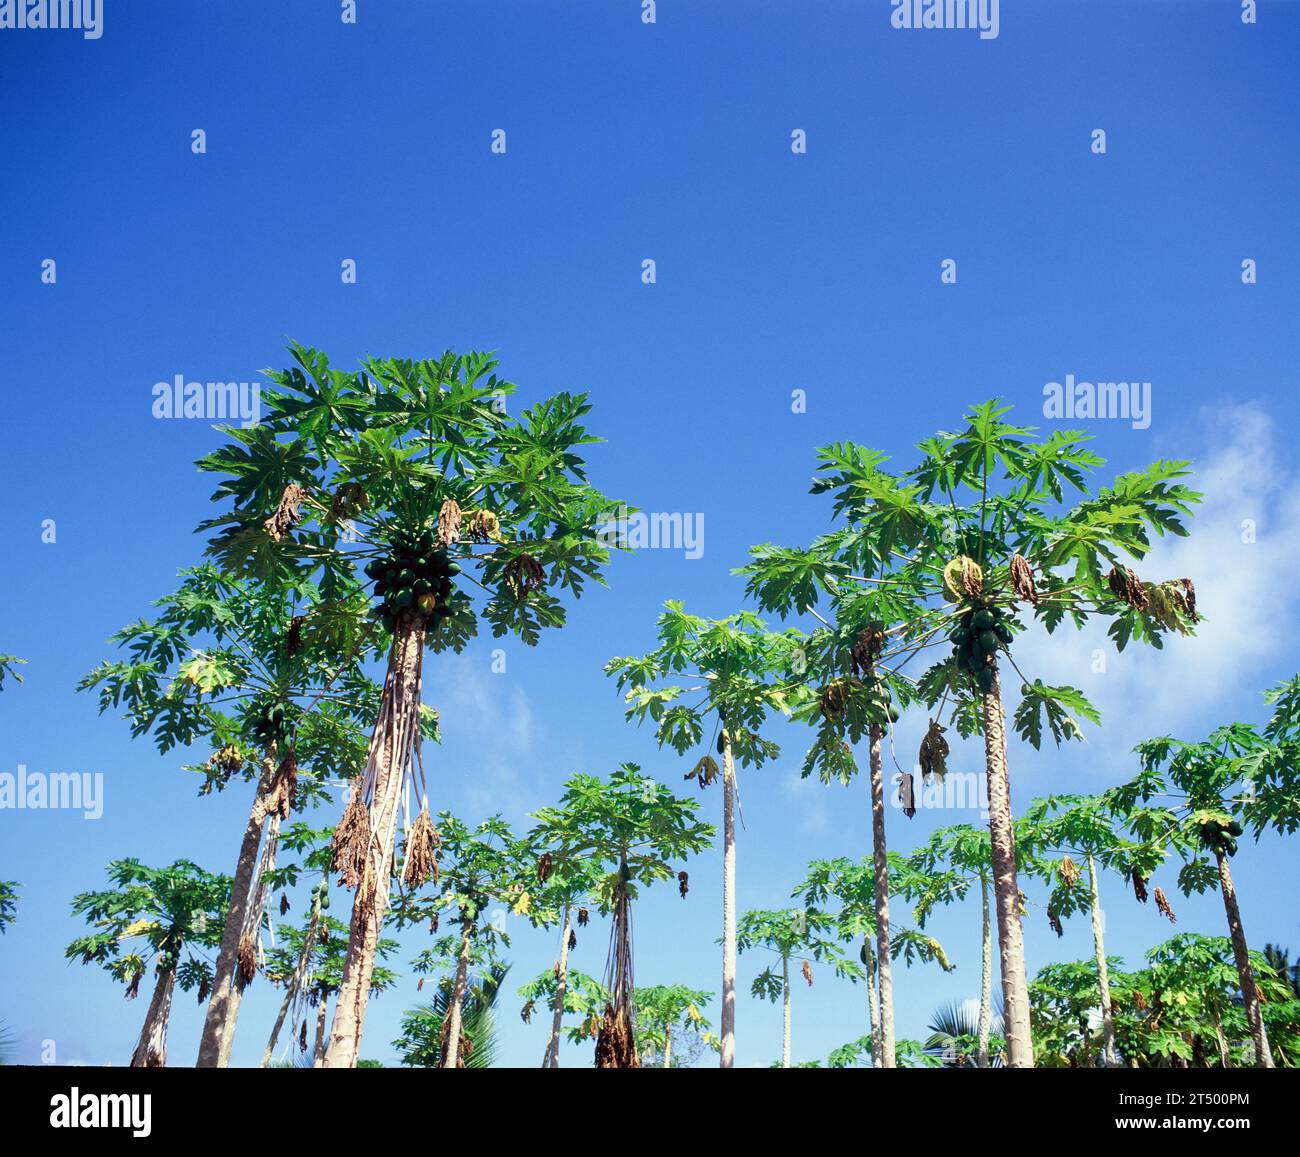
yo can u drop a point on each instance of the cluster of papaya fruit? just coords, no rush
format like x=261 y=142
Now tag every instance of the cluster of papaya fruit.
x=1221 y=837
x=321 y=891
x=271 y=724
x=979 y=632
x=417 y=575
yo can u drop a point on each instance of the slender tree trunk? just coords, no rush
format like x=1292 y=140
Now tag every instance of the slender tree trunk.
x=371 y=900
x=1006 y=892
x=1249 y=993
x=1225 y=1058
x=1103 y=972
x=151 y=1050
x=873 y=1008
x=880 y=864
x=318 y=1048
x=785 y=1012
x=552 y=1058
x=451 y=1056
x=295 y=984
x=986 y=976
x=668 y=1046
x=727 y=1050
x=223 y=1004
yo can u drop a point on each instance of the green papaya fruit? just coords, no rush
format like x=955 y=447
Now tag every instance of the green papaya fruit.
x=983 y=620
x=988 y=642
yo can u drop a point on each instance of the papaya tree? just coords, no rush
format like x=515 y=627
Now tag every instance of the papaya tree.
x=155 y=918
x=789 y=934
x=636 y=832
x=9 y=665
x=1210 y=793
x=563 y=895
x=253 y=671
x=1053 y=832
x=846 y=890
x=977 y=543
x=409 y=479
x=580 y=994
x=954 y=861
x=728 y=665
x=667 y=1014
x=8 y=903
x=483 y=870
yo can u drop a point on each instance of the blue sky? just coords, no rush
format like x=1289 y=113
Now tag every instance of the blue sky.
x=775 y=272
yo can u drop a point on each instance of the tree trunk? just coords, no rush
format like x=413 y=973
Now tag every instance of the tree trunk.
x=294 y=986
x=668 y=1046
x=1103 y=972
x=727 y=1058
x=1225 y=1058
x=1249 y=993
x=873 y=1008
x=451 y=1057
x=986 y=976
x=371 y=900
x=223 y=1004
x=318 y=1048
x=552 y=1058
x=785 y=1012
x=151 y=1050
x=1006 y=892
x=880 y=864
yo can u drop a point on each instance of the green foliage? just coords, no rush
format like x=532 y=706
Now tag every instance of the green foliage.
x=8 y=903
x=9 y=666
x=150 y=916
x=419 y=1045
x=628 y=819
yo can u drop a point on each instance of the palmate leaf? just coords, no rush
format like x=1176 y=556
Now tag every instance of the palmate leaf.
x=1039 y=701
x=788 y=581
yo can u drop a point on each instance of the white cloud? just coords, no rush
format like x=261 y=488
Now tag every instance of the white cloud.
x=1245 y=589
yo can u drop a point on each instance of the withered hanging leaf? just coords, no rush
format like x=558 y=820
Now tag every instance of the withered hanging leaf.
x=962 y=579
x=133 y=989
x=284 y=787
x=205 y=989
x=1139 y=886
x=284 y=903
x=807 y=972
x=683 y=884
x=1140 y=1001
x=1164 y=907
x=1055 y=921
x=419 y=985
x=583 y=917
x=526 y=1013
x=523 y=575
x=1022 y=579
x=835 y=697
x=1069 y=873
x=867 y=645
x=352 y=838
x=544 y=867
x=704 y=772
x=287 y=514
x=484 y=526
x=422 y=843
x=349 y=500
x=247 y=956
x=1021 y=901
x=933 y=755
x=615 y=1047
x=302 y=1037
x=573 y=940
x=433 y=924
x=906 y=794
x=293 y=639
x=1127 y=587
x=449 y=520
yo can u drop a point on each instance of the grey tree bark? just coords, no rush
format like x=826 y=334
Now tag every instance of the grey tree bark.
x=1249 y=993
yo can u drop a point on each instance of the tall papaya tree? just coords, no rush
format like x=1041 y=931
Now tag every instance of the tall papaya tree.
x=564 y=895
x=581 y=995
x=730 y=664
x=409 y=480
x=1239 y=778
x=666 y=1014
x=849 y=888
x=257 y=671
x=480 y=867
x=954 y=861
x=159 y=918
x=789 y=934
x=978 y=532
x=1055 y=830
x=636 y=832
